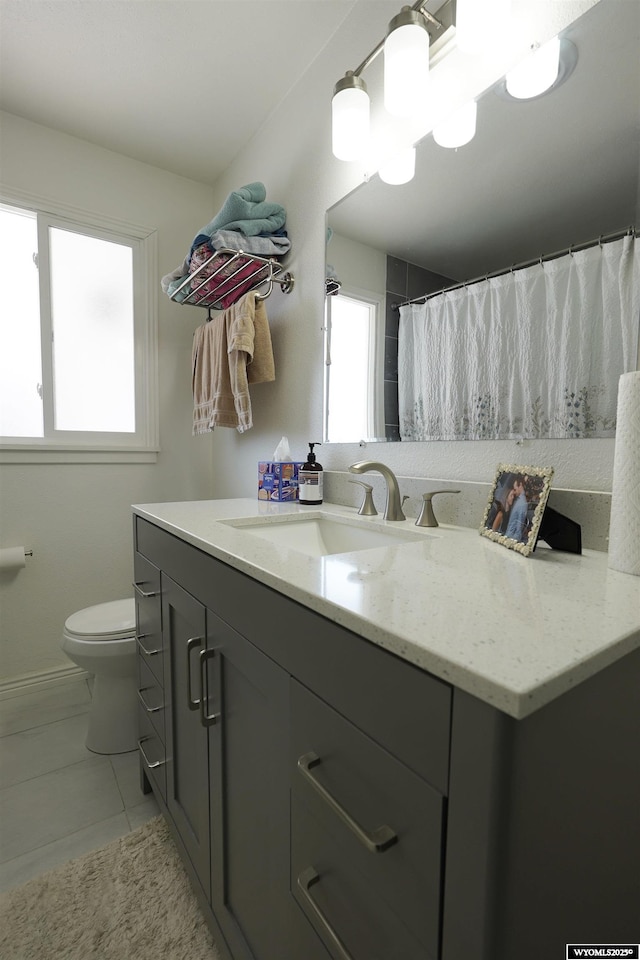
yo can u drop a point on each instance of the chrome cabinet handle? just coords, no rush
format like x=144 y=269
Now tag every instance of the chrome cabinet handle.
x=191 y=643
x=143 y=593
x=156 y=763
x=306 y=880
x=149 y=653
x=377 y=840
x=144 y=702
x=206 y=719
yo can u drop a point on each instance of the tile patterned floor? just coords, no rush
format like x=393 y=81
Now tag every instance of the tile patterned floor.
x=57 y=799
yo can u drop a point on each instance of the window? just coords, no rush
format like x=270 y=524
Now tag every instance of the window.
x=353 y=353
x=77 y=337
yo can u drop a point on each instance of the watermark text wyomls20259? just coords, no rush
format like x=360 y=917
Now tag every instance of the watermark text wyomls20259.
x=631 y=951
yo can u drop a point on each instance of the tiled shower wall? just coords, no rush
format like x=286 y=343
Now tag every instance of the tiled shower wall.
x=405 y=281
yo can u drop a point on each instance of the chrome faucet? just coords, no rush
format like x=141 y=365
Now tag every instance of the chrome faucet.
x=393 y=506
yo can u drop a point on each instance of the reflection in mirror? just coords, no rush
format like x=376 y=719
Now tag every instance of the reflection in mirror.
x=540 y=177
x=354 y=347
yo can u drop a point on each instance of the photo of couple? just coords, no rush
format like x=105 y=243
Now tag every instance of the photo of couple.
x=516 y=505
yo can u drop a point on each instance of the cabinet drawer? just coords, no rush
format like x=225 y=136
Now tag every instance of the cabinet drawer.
x=151 y=697
x=384 y=823
x=152 y=754
x=339 y=903
x=149 y=614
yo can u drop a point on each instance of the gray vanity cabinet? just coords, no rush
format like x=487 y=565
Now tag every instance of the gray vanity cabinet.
x=334 y=802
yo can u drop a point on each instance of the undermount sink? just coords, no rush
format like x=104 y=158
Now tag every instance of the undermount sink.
x=322 y=536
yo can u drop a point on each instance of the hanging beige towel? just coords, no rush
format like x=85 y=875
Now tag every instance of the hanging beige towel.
x=261 y=367
x=229 y=352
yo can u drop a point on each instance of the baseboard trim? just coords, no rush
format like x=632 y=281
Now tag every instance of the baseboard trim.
x=34 y=682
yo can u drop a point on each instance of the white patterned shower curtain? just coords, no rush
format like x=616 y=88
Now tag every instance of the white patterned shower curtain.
x=536 y=352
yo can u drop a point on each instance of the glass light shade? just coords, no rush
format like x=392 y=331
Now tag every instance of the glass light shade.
x=406 y=64
x=350 y=119
x=481 y=25
x=459 y=128
x=536 y=73
x=400 y=167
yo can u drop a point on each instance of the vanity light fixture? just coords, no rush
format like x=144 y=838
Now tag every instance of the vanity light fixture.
x=478 y=26
x=350 y=117
x=399 y=167
x=459 y=128
x=544 y=69
x=406 y=52
x=406 y=63
x=536 y=73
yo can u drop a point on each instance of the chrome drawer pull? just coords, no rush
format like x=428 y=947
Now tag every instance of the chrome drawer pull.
x=143 y=593
x=191 y=643
x=149 y=653
x=144 y=702
x=156 y=763
x=206 y=719
x=376 y=841
x=306 y=880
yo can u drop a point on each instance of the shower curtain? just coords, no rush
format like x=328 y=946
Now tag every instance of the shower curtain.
x=536 y=352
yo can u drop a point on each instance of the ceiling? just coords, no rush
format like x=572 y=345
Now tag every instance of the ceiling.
x=180 y=84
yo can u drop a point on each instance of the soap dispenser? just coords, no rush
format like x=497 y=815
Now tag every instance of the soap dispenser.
x=310 y=479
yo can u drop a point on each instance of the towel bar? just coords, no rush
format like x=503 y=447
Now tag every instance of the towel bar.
x=227 y=275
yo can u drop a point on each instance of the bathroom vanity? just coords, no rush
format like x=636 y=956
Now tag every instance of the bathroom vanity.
x=420 y=751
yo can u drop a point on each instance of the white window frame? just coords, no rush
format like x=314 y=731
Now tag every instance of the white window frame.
x=59 y=446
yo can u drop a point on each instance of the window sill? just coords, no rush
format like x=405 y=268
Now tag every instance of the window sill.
x=19 y=453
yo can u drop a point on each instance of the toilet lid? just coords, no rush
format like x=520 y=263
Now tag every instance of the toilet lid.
x=115 y=619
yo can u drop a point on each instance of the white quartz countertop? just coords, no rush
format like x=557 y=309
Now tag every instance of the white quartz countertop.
x=513 y=631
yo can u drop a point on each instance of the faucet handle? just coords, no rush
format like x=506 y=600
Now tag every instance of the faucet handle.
x=427 y=517
x=367 y=507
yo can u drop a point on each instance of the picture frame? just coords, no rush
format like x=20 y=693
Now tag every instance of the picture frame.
x=516 y=505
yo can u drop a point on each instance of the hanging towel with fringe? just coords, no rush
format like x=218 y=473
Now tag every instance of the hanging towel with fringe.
x=230 y=352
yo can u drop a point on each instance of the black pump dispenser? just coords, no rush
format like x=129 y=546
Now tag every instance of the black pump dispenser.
x=310 y=479
x=311 y=458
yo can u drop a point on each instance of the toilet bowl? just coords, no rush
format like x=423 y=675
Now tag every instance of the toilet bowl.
x=102 y=640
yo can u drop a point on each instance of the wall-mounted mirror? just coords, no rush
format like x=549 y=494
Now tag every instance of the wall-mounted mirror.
x=540 y=176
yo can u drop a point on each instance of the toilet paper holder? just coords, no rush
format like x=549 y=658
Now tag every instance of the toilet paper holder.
x=13 y=558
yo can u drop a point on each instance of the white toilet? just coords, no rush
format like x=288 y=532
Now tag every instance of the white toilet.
x=102 y=640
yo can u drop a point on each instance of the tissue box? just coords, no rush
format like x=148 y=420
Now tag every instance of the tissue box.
x=278 y=479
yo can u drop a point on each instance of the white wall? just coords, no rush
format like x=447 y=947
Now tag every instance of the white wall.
x=361 y=267
x=77 y=517
x=291 y=154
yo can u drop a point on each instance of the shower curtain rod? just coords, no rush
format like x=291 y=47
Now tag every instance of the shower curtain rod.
x=609 y=238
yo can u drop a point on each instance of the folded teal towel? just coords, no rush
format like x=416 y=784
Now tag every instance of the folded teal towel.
x=247 y=210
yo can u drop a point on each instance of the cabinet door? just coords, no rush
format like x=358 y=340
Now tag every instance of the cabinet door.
x=187 y=770
x=250 y=802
